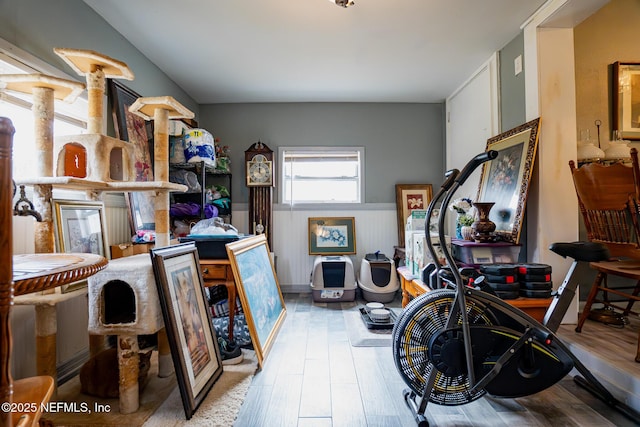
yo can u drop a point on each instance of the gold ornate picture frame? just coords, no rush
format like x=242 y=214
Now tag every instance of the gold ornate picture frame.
x=626 y=99
x=259 y=291
x=505 y=179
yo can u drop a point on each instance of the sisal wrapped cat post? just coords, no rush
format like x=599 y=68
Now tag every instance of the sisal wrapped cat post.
x=44 y=90
x=160 y=109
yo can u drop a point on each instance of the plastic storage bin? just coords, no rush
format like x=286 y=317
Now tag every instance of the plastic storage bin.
x=474 y=253
x=210 y=247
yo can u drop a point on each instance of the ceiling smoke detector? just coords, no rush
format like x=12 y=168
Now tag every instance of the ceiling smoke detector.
x=342 y=3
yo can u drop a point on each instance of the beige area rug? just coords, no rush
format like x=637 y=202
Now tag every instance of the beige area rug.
x=221 y=405
x=360 y=336
x=160 y=402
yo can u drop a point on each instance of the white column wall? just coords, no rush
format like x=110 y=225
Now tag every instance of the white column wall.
x=550 y=89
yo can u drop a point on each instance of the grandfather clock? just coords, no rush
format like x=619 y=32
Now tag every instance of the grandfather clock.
x=260 y=179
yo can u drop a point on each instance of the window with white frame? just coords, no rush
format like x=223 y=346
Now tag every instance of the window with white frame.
x=321 y=174
x=69 y=119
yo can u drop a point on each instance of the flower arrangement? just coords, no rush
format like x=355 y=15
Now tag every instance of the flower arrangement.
x=464 y=208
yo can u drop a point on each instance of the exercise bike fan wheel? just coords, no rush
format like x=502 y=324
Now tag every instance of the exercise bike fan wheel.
x=421 y=344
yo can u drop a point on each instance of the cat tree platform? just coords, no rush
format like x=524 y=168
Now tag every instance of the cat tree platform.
x=123 y=301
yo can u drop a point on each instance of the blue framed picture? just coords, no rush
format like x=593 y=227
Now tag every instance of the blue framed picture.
x=259 y=291
x=332 y=236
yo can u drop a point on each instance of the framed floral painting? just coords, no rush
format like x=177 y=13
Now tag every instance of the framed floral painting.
x=410 y=197
x=332 y=236
x=505 y=179
x=132 y=128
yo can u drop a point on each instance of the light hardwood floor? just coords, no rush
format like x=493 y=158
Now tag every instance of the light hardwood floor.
x=314 y=377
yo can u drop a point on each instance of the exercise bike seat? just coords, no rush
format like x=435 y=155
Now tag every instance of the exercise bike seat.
x=581 y=251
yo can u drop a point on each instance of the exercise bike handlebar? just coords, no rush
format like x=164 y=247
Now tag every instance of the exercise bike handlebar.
x=450 y=176
x=473 y=164
x=453 y=179
x=468 y=169
x=433 y=267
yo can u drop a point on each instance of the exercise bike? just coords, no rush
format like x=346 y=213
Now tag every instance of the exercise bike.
x=456 y=343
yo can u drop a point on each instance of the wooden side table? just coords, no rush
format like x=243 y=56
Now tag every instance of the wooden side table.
x=534 y=307
x=35 y=273
x=219 y=272
x=411 y=287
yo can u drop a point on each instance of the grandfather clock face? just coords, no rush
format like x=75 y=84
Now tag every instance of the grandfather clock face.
x=259 y=166
x=259 y=171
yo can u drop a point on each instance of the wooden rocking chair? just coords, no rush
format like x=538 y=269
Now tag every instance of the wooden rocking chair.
x=608 y=196
x=34 y=390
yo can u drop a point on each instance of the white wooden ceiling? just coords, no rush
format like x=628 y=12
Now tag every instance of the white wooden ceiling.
x=222 y=51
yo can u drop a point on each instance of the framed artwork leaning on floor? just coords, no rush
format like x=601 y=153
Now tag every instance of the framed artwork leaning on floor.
x=194 y=347
x=259 y=291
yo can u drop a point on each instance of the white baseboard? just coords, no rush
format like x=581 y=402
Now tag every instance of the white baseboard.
x=296 y=289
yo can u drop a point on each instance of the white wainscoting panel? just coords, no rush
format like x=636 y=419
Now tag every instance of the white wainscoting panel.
x=23 y=231
x=376 y=230
x=118 y=229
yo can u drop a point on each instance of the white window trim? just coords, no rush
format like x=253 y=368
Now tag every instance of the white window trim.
x=24 y=59
x=34 y=62
x=280 y=180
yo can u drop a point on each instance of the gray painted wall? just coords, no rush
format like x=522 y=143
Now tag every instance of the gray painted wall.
x=404 y=143
x=512 y=104
x=512 y=94
x=38 y=26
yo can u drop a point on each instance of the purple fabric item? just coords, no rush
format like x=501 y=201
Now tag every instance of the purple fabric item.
x=210 y=211
x=184 y=209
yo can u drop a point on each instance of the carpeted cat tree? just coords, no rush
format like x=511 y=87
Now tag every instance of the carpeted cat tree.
x=96 y=163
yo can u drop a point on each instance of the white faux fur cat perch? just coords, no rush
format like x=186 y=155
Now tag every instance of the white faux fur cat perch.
x=62 y=89
x=94 y=156
x=95 y=162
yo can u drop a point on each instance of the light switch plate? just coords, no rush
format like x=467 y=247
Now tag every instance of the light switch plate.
x=517 y=64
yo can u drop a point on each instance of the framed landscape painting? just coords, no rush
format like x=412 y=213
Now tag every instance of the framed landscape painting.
x=80 y=226
x=142 y=215
x=259 y=291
